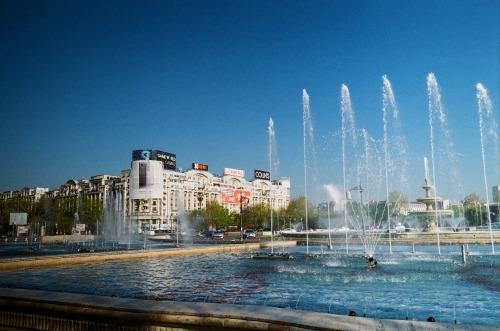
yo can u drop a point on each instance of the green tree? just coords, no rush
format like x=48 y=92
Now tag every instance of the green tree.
x=398 y=202
x=296 y=212
x=213 y=216
x=257 y=216
x=90 y=212
x=64 y=211
x=6 y=207
x=474 y=209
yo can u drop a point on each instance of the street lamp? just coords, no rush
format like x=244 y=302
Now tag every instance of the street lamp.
x=242 y=196
x=360 y=189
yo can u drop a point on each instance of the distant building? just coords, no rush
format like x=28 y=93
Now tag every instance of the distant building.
x=496 y=193
x=25 y=194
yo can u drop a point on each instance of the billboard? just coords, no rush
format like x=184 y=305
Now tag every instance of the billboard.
x=169 y=160
x=199 y=166
x=234 y=172
x=230 y=195
x=18 y=219
x=146 y=180
x=261 y=174
x=80 y=227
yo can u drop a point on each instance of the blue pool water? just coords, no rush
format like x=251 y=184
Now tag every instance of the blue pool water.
x=403 y=286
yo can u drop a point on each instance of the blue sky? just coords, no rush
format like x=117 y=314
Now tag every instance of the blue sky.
x=86 y=82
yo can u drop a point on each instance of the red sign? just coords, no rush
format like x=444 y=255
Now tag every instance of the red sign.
x=233 y=196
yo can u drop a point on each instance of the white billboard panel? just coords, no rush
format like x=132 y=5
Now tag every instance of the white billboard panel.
x=234 y=172
x=18 y=218
x=146 y=180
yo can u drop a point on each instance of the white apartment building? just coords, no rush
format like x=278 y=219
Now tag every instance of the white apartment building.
x=191 y=190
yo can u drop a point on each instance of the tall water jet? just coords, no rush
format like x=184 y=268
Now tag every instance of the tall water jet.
x=372 y=178
x=485 y=111
x=395 y=150
x=308 y=134
x=113 y=216
x=335 y=196
x=444 y=159
x=182 y=229
x=273 y=169
x=348 y=130
x=449 y=160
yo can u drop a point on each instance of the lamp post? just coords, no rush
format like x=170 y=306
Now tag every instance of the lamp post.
x=241 y=213
x=360 y=189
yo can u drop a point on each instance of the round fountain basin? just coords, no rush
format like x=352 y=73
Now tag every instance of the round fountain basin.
x=404 y=284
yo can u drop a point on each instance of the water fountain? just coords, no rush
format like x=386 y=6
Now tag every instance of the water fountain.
x=431 y=214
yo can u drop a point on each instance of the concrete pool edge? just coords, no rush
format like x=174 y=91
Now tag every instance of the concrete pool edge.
x=45 y=310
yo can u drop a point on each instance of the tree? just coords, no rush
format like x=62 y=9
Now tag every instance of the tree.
x=213 y=216
x=257 y=216
x=474 y=209
x=296 y=212
x=90 y=212
x=398 y=202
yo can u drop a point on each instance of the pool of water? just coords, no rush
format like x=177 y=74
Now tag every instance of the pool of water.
x=403 y=286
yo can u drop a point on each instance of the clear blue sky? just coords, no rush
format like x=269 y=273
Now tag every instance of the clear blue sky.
x=83 y=83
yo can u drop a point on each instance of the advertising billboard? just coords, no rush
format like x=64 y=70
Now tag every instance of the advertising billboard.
x=234 y=172
x=261 y=174
x=199 y=166
x=169 y=160
x=18 y=219
x=230 y=195
x=146 y=180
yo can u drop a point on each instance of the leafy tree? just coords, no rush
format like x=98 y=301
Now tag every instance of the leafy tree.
x=398 y=202
x=213 y=216
x=6 y=208
x=90 y=212
x=257 y=216
x=472 y=200
x=474 y=209
x=378 y=213
x=296 y=212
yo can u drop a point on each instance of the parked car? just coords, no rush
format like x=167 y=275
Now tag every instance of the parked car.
x=248 y=234
x=218 y=235
x=207 y=233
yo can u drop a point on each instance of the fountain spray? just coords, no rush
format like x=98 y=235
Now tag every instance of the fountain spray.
x=308 y=132
x=347 y=129
x=485 y=109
